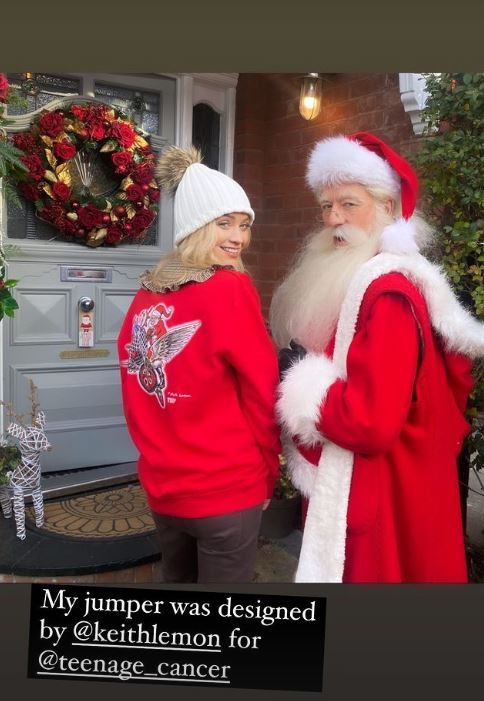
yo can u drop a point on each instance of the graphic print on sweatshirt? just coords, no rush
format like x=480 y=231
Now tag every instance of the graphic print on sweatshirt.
x=153 y=345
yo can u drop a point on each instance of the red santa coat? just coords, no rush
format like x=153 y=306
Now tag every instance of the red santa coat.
x=384 y=422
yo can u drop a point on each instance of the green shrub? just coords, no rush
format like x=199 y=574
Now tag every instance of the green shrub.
x=450 y=164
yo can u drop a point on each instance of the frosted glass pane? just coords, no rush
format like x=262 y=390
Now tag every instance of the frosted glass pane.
x=142 y=106
x=50 y=87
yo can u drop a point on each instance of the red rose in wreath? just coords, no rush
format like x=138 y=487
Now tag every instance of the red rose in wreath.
x=26 y=142
x=3 y=87
x=115 y=234
x=34 y=164
x=80 y=112
x=61 y=191
x=59 y=152
x=30 y=192
x=122 y=160
x=123 y=133
x=143 y=174
x=142 y=221
x=134 y=193
x=64 y=150
x=52 y=124
x=90 y=216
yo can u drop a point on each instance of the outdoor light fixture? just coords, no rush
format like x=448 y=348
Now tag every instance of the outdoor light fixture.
x=310 y=97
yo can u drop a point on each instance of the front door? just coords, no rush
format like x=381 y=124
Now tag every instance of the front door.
x=78 y=387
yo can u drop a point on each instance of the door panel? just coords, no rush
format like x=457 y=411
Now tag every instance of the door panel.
x=49 y=309
x=78 y=388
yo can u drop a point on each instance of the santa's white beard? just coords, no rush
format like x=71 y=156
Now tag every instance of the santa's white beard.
x=306 y=306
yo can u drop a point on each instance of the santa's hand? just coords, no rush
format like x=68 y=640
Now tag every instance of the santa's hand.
x=289 y=356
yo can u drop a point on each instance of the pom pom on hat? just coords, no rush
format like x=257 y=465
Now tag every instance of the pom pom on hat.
x=201 y=194
x=363 y=158
x=172 y=165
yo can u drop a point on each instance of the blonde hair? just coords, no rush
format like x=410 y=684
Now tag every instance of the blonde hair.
x=193 y=252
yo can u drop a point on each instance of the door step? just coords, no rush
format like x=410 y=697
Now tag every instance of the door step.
x=59 y=484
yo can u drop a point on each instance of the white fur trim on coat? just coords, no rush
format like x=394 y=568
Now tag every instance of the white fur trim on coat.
x=337 y=160
x=301 y=395
x=322 y=554
x=303 y=473
x=458 y=329
x=323 y=547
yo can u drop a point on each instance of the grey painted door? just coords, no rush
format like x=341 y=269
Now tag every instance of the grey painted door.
x=79 y=389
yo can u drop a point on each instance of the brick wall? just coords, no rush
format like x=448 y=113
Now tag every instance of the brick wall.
x=272 y=143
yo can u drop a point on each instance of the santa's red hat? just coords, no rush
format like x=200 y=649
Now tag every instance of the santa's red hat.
x=365 y=159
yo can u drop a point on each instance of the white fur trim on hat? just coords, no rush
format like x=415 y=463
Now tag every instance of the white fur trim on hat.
x=338 y=160
x=204 y=194
x=301 y=395
x=399 y=238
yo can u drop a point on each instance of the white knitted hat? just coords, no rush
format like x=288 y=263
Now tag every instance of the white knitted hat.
x=201 y=194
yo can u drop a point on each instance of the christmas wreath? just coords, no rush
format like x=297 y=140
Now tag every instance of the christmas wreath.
x=89 y=174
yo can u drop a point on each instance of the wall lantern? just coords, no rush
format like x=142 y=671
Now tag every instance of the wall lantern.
x=310 y=97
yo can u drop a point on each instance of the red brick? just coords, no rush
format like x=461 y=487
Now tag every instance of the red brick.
x=331 y=111
x=250 y=258
x=274 y=202
x=336 y=89
x=283 y=139
x=250 y=157
x=276 y=172
x=250 y=137
x=394 y=115
x=366 y=85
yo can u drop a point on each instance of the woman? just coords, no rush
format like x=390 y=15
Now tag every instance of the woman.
x=199 y=374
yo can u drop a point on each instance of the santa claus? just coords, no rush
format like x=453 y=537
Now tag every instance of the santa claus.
x=372 y=401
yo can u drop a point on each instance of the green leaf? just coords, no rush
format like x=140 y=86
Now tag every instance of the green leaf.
x=99 y=202
x=9 y=311
x=10 y=303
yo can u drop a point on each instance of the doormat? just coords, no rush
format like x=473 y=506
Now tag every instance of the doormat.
x=96 y=531
x=114 y=513
x=108 y=530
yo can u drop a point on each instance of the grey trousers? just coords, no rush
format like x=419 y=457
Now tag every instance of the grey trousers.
x=211 y=549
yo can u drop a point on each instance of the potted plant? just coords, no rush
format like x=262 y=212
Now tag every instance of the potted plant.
x=282 y=516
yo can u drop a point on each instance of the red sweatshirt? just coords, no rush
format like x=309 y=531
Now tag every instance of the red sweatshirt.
x=199 y=375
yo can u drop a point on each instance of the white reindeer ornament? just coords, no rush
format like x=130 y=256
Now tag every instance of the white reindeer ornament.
x=24 y=480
